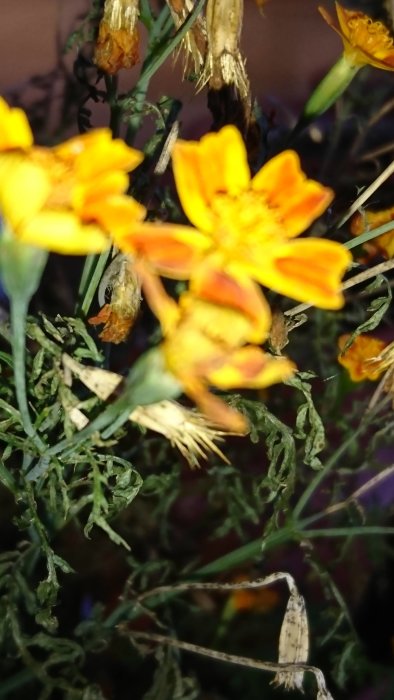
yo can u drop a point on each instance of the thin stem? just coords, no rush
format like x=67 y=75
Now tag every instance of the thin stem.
x=18 y=313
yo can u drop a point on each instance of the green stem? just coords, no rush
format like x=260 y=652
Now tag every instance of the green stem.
x=18 y=314
x=92 y=274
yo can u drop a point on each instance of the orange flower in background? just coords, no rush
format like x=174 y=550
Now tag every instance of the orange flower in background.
x=72 y=195
x=368 y=220
x=365 y=42
x=205 y=338
x=246 y=225
x=362 y=358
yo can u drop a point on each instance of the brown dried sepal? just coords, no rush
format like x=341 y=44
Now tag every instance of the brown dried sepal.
x=116 y=49
x=116 y=327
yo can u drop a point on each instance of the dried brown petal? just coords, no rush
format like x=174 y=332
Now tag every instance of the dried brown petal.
x=117 y=44
x=194 y=44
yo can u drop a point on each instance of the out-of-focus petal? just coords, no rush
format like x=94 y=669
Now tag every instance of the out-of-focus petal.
x=308 y=270
x=15 y=132
x=171 y=250
x=251 y=368
x=24 y=188
x=62 y=232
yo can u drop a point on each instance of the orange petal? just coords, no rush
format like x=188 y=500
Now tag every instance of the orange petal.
x=296 y=200
x=97 y=152
x=216 y=164
x=308 y=270
x=358 y=358
x=215 y=409
x=234 y=292
x=171 y=250
x=251 y=368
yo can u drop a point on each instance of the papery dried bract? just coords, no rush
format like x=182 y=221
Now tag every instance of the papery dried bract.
x=194 y=44
x=224 y=64
x=293 y=641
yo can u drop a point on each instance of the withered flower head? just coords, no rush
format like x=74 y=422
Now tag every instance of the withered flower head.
x=224 y=64
x=117 y=44
x=119 y=314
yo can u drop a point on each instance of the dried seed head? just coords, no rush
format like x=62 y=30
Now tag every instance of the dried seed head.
x=224 y=64
x=189 y=431
x=119 y=315
x=117 y=44
x=293 y=641
x=194 y=44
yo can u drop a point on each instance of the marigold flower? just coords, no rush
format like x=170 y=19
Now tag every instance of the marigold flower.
x=368 y=220
x=72 y=195
x=205 y=338
x=361 y=359
x=117 y=44
x=245 y=225
x=365 y=42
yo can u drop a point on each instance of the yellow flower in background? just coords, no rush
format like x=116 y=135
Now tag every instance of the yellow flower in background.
x=245 y=225
x=367 y=221
x=15 y=130
x=365 y=42
x=361 y=359
x=67 y=199
x=205 y=341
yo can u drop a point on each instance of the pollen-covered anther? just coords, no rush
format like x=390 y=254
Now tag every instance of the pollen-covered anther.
x=117 y=44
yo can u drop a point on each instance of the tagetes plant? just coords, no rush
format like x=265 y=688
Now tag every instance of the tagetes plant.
x=73 y=194
x=368 y=220
x=365 y=41
x=361 y=358
x=210 y=339
x=245 y=225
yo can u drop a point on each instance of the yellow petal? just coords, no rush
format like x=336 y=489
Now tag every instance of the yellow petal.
x=116 y=214
x=308 y=270
x=97 y=152
x=24 y=188
x=295 y=200
x=216 y=164
x=15 y=132
x=62 y=232
x=251 y=368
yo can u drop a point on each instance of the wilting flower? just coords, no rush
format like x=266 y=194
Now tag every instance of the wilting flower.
x=69 y=198
x=362 y=359
x=205 y=341
x=119 y=314
x=245 y=226
x=117 y=44
x=369 y=220
x=224 y=64
x=365 y=42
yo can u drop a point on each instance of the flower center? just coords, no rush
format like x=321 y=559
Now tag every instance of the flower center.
x=369 y=35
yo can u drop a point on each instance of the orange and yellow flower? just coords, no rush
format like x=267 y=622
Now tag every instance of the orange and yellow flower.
x=245 y=226
x=66 y=199
x=209 y=340
x=368 y=220
x=365 y=42
x=362 y=358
